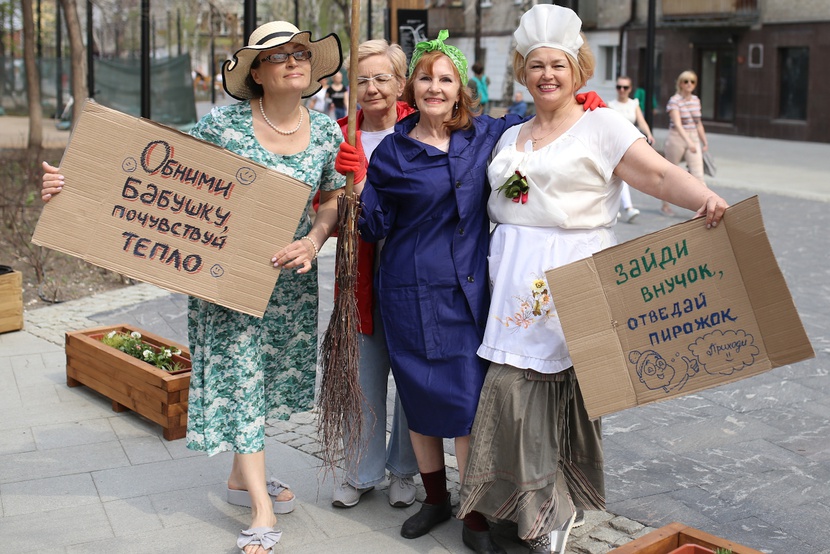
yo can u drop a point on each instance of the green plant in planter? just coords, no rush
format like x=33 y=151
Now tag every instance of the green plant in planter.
x=722 y=551
x=131 y=343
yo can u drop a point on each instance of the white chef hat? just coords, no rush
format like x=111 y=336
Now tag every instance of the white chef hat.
x=550 y=26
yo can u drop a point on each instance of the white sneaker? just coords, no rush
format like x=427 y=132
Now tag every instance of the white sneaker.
x=559 y=538
x=630 y=214
x=401 y=491
x=346 y=496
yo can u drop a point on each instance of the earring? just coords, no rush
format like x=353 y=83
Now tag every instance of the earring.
x=456 y=105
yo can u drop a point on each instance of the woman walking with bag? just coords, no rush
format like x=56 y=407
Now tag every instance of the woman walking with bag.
x=687 y=137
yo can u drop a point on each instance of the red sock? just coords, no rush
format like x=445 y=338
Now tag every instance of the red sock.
x=435 y=484
x=475 y=521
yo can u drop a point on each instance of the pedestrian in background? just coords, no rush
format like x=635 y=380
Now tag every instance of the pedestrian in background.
x=338 y=95
x=479 y=84
x=381 y=76
x=629 y=109
x=318 y=101
x=519 y=106
x=687 y=137
x=534 y=455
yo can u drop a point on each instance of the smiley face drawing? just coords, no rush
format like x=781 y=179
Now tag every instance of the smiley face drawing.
x=656 y=373
x=129 y=165
x=217 y=270
x=246 y=175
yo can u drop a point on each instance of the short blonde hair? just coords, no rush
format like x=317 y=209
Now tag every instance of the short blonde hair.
x=686 y=75
x=379 y=47
x=582 y=68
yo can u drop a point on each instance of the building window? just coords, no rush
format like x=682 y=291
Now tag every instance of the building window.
x=609 y=61
x=793 y=63
x=756 y=56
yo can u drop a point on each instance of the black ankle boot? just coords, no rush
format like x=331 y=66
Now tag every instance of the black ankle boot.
x=480 y=541
x=427 y=517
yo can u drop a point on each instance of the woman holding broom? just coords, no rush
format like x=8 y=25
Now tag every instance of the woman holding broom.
x=246 y=369
x=381 y=75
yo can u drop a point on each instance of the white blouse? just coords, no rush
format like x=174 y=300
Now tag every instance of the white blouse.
x=571 y=180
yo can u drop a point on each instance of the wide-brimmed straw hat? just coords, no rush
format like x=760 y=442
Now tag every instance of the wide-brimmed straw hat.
x=326 y=57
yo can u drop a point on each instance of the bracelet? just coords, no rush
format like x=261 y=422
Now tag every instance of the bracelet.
x=313 y=245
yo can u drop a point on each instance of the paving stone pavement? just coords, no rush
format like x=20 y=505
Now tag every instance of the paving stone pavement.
x=748 y=461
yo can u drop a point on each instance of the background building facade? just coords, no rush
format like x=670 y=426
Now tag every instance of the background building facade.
x=761 y=64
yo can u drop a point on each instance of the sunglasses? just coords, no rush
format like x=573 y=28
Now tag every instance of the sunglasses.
x=282 y=57
x=623 y=87
x=687 y=81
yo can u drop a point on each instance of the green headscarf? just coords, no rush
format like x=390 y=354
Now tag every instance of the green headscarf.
x=453 y=53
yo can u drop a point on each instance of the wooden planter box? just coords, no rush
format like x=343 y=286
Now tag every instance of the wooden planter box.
x=674 y=535
x=11 y=302
x=158 y=395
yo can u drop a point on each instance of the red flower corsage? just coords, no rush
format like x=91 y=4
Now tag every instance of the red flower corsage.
x=516 y=188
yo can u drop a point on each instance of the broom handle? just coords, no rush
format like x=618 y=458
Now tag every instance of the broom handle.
x=351 y=129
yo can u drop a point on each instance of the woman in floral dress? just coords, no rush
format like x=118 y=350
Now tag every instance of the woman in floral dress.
x=247 y=369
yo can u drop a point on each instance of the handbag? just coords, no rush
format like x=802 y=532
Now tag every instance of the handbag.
x=709 y=164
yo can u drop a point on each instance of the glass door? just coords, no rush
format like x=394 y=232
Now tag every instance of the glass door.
x=716 y=88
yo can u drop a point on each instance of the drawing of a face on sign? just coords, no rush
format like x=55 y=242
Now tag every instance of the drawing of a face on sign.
x=217 y=270
x=656 y=373
x=129 y=165
x=245 y=175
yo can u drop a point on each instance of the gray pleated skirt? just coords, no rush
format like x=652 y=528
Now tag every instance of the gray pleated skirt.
x=535 y=455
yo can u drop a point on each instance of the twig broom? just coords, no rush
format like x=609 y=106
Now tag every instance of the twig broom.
x=340 y=395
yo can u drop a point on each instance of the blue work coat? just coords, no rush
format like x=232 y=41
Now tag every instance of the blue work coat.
x=431 y=207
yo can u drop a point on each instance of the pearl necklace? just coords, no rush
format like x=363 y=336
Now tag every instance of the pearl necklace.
x=274 y=127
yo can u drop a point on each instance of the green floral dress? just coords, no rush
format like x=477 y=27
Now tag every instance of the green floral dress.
x=247 y=369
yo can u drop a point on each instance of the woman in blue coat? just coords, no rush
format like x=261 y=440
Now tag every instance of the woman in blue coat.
x=426 y=195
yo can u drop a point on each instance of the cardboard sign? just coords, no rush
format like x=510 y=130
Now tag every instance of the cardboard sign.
x=677 y=311
x=160 y=206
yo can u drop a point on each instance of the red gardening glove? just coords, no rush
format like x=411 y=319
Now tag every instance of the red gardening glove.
x=590 y=100
x=351 y=159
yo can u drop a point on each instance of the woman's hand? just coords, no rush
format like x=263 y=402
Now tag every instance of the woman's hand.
x=692 y=148
x=351 y=159
x=299 y=254
x=52 y=182
x=713 y=209
x=590 y=100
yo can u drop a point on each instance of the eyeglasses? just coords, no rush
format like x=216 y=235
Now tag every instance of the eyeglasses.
x=380 y=80
x=623 y=87
x=282 y=57
x=687 y=81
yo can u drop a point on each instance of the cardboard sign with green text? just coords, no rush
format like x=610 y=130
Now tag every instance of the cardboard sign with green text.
x=677 y=311
x=160 y=206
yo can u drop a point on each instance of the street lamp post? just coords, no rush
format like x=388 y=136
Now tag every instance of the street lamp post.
x=58 y=61
x=249 y=23
x=649 y=111
x=145 y=59
x=90 y=66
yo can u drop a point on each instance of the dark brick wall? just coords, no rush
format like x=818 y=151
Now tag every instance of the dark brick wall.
x=757 y=89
